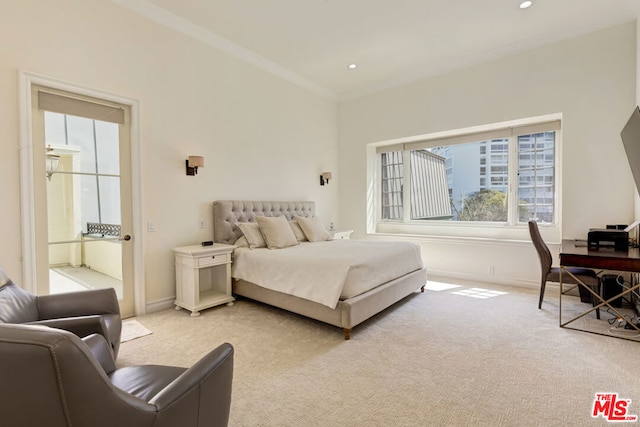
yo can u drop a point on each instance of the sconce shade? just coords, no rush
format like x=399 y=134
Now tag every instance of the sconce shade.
x=196 y=161
x=325 y=177
x=52 y=161
x=193 y=163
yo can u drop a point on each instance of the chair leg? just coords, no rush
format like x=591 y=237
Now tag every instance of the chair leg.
x=543 y=283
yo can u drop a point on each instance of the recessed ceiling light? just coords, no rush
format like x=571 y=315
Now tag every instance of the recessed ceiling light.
x=352 y=66
x=525 y=4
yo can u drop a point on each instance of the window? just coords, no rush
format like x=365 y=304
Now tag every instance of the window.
x=97 y=164
x=536 y=176
x=503 y=176
x=392 y=177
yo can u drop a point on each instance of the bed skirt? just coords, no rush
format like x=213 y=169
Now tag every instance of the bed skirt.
x=348 y=313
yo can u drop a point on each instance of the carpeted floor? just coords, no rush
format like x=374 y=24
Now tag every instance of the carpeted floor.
x=474 y=355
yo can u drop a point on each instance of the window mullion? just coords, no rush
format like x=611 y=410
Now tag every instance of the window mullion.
x=512 y=194
x=406 y=186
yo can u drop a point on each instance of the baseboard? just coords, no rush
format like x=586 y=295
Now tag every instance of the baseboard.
x=160 y=305
x=507 y=281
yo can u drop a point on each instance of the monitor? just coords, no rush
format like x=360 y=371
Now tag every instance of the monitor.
x=631 y=140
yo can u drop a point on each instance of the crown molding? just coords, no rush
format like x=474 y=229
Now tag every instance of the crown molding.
x=176 y=23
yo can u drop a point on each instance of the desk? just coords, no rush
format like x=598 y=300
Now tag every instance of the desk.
x=598 y=259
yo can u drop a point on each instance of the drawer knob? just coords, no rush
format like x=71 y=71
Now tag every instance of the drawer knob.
x=213 y=257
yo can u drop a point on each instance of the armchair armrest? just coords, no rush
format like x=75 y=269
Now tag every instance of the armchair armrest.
x=82 y=303
x=207 y=384
x=101 y=350
x=79 y=326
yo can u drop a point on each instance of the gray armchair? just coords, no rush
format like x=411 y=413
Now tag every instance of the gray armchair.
x=51 y=377
x=83 y=313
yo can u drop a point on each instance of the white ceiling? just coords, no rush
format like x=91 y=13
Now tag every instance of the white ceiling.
x=311 y=42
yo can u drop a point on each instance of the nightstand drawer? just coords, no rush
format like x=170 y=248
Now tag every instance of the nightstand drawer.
x=213 y=260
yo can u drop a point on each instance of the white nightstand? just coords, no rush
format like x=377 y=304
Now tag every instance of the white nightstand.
x=341 y=234
x=203 y=277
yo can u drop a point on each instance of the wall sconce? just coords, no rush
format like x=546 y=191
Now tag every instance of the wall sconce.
x=325 y=177
x=52 y=161
x=193 y=163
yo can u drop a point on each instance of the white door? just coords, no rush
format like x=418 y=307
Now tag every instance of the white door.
x=82 y=201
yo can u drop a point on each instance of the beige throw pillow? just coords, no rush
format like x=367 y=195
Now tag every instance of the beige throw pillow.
x=251 y=231
x=242 y=242
x=313 y=229
x=297 y=231
x=277 y=232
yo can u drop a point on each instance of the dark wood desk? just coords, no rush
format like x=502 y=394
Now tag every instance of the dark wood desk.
x=603 y=258
x=574 y=254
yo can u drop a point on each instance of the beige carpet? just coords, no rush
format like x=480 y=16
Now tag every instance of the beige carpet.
x=453 y=357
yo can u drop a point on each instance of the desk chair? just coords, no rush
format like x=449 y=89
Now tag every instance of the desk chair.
x=552 y=274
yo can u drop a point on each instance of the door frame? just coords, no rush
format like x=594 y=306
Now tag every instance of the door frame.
x=27 y=186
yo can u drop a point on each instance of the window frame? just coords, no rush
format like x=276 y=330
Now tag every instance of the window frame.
x=512 y=229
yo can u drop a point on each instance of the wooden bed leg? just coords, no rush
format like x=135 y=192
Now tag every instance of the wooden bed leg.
x=422 y=288
x=347 y=333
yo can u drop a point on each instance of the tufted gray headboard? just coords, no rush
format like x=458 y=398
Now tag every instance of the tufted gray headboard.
x=226 y=213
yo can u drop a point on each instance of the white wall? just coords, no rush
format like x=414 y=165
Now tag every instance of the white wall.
x=261 y=137
x=589 y=79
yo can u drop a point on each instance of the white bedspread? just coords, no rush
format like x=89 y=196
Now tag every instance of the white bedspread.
x=324 y=272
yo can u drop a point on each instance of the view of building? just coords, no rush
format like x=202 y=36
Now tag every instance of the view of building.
x=475 y=172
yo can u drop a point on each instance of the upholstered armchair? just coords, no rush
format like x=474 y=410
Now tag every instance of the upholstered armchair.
x=82 y=313
x=51 y=378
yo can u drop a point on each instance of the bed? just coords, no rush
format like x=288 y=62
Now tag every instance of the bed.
x=346 y=305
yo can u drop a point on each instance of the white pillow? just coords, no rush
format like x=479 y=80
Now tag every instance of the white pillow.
x=297 y=231
x=251 y=231
x=276 y=232
x=313 y=229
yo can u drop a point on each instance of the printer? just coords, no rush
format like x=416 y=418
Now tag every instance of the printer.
x=609 y=237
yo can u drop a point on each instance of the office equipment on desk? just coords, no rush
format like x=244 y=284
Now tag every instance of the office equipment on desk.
x=619 y=239
x=633 y=241
x=580 y=243
x=632 y=226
